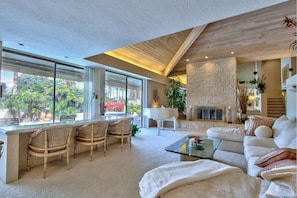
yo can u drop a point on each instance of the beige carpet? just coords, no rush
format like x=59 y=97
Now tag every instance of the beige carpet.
x=115 y=175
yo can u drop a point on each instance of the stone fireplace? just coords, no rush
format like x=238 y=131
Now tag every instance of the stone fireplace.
x=211 y=86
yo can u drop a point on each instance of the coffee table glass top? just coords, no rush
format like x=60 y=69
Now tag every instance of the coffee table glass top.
x=204 y=148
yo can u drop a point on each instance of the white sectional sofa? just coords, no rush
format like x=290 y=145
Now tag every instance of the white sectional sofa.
x=268 y=138
x=265 y=149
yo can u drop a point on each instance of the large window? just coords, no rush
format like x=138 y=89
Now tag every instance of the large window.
x=123 y=96
x=39 y=91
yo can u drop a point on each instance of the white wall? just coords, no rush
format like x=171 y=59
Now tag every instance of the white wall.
x=245 y=71
x=291 y=98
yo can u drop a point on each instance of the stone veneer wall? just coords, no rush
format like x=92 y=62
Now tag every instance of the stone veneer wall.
x=212 y=83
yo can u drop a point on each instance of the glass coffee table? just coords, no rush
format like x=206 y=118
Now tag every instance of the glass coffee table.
x=203 y=147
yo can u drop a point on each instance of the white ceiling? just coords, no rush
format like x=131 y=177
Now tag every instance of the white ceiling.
x=79 y=29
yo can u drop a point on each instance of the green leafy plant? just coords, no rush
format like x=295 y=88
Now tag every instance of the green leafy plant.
x=176 y=95
x=135 y=129
x=260 y=83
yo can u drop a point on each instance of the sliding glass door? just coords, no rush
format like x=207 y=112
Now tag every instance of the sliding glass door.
x=115 y=94
x=37 y=91
x=134 y=96
x=123 y=96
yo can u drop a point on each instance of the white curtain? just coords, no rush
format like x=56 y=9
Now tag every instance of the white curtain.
x=88 y=93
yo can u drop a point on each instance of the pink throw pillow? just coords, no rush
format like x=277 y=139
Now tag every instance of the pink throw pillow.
x=276 y=155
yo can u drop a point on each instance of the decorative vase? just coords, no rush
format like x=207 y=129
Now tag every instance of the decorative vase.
x=243 y=117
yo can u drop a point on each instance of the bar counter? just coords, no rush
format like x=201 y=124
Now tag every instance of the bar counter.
x=14 y=149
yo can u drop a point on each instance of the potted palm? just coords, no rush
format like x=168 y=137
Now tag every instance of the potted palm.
x=176 y=95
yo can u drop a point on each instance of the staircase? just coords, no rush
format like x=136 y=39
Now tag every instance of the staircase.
x=275 y=107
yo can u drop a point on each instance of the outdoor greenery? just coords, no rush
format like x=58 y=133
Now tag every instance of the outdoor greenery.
x=176 y=95
x=33 y=96
x=119 y=107
x=134 y=108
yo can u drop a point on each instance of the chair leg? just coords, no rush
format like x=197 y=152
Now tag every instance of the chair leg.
x=91 y=153
x=68 y=160
x=44 y=167
x=75 y=144
x=28 y=160
x=130 y=140
x=122 y=143
x=107 y=141
x=104 y=147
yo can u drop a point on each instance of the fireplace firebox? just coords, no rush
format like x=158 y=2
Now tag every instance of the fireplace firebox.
x=208 y=113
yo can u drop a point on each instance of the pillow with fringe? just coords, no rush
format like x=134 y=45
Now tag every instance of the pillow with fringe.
x=256 y=121
x=278 y=164
x=276 y=155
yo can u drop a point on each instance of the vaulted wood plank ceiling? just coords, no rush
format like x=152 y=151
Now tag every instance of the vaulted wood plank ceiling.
x=153 y=55
x=255 y=36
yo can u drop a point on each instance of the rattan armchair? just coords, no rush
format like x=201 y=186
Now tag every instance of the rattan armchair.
x=91 y=134
x=48 y=142
x=121 y=129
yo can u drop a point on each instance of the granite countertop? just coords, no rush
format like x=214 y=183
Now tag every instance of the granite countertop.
x=16 y=129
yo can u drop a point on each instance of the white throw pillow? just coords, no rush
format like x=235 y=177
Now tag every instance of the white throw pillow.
x=293 y=143
x=279 y=124
x=263 y=131
x=286 y=136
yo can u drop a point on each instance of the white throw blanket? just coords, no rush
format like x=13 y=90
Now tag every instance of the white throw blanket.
x=164 y=178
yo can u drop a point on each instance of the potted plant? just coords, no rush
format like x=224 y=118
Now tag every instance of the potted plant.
x=260 y=84
x=135 y=129
x=176 y=95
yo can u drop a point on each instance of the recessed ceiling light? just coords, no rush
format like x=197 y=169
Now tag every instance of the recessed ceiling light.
x=187 y=60
x=206 y=57
x=231 y=52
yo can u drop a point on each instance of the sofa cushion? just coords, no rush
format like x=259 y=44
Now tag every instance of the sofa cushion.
x=253 y=169
x=226 y=133
x=256 y=121
x=263 y=131
x=231 y=158
x=255 y=151
x=232 y=146
x=286 y=136
x=276 y=155
x=259 y=141
x=279 y=124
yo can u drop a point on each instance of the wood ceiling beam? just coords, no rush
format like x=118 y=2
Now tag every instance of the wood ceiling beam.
x=194 y=34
